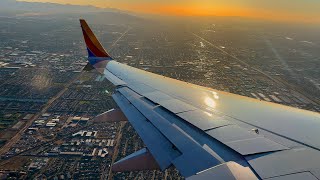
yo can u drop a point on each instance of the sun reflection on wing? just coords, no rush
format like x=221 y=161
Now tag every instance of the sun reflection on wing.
x=210 y=102
x=209 y=114
x=215 y=95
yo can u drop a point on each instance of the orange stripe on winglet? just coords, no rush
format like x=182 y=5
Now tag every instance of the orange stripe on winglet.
x=92 y=42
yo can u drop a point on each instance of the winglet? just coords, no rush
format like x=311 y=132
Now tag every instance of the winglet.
x=97 y=55
x=94 y=47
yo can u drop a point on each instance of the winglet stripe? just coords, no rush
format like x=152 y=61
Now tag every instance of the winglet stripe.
x=91 y=41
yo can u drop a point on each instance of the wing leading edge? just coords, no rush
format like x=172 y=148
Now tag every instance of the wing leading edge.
x=209 y=134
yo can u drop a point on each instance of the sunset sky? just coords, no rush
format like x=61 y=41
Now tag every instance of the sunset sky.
x=291 y=10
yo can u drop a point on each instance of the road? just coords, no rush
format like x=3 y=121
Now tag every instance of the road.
x=116 y=150
x=115 y=42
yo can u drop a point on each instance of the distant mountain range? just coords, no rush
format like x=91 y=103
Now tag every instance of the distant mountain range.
x=46 y=10
x=37 y=7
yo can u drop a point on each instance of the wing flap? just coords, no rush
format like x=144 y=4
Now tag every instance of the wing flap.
x=233 y=136
x=159 y=146
x=191 y=151
x=198 y=157
x=188 y=149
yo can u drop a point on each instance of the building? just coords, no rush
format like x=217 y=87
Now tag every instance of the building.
x=51 y=124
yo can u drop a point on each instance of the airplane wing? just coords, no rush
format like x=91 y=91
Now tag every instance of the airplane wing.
x=206 y=133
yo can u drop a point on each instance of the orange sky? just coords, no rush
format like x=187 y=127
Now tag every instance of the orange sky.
x=288 y=10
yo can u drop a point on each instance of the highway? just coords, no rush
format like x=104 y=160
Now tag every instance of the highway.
x=276 y=80
x=116 y=149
